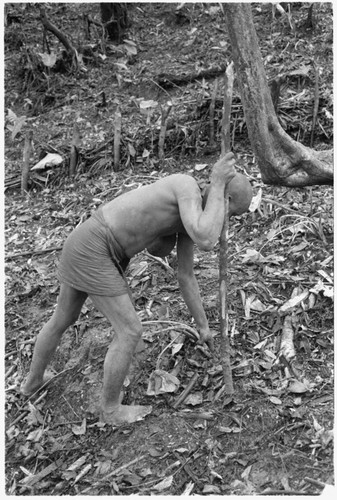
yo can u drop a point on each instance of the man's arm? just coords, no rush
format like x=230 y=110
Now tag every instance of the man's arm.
x=189 y=287
x=204 y=225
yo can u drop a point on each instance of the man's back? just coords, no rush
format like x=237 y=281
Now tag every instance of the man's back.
x=140 y=216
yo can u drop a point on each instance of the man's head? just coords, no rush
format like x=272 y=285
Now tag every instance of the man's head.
x=240 y=194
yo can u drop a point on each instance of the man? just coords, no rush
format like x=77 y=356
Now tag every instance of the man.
x=169 y=212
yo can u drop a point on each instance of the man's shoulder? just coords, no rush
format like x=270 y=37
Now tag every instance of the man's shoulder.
x=181 y=181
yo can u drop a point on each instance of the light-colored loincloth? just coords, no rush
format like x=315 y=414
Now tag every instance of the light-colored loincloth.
x=92 y=260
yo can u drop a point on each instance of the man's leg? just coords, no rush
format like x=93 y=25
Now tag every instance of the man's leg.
x=69 y=304
x=128 y=330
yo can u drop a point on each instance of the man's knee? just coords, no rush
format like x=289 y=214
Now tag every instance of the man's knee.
x=131 y=332
x=69 y=306
x=65 y=317
x=136 y=329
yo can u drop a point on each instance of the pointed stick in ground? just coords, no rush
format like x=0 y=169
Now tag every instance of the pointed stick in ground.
x=316 y=103
x=75 y=143
x=223 y=257
x=26 y=158
x=164 y=117
x=117 y=138
x=211 y=114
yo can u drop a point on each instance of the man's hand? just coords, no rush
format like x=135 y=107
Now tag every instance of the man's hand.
x=223 y=170
x=206 y=337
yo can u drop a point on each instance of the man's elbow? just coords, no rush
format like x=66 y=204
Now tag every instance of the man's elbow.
x=206 y=244
x=206 y=239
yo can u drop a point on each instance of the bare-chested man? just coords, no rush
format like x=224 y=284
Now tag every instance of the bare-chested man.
x=172 y=211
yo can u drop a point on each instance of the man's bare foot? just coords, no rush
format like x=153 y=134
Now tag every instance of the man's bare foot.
x=28 y=388
x=123 y=414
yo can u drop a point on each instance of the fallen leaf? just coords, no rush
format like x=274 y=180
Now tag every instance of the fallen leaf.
x=246 y=472
x=210 y=488
x=164 y=484
x=103 y=467
x=256 y=200
x=35 y=435
x=293 y=302
x=161 y=382
x=34 y=417
x=78 y=463
x=298 y=387
x=154 y=452
x=82 y=473
x=200 y=166
x=79 y=430
x=275 y=400
x=48 y=60
x=194 y=399
x=51 y=160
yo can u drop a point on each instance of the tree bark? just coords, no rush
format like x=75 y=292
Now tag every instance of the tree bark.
x=282 y=160
x=115 y=19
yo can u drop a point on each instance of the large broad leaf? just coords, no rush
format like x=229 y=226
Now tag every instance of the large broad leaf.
x=51 y=160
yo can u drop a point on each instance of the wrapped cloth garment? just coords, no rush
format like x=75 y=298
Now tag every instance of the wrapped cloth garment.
x=92 y=260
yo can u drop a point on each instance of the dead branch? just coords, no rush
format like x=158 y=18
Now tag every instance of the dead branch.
x=61 y=36
x=186 y=391
x=189 y=330
x=32 y=252
x=167 y=80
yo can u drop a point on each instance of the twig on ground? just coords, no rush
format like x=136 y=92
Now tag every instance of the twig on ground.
x=286 y=492
x=33 y=252
x=196 y=415
x=191 y=331
x=31 y=480
x=186 y=391
x=114 y=472
x=315 y=482
x=160 y=261
x=278 y=204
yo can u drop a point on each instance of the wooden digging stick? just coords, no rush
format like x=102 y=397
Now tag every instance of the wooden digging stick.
x=223 y=257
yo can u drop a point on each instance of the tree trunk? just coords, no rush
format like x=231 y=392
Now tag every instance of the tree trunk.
x=115 y=19
x=282 y=160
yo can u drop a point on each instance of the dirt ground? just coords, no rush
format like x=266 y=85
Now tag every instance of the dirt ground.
x=274 y=437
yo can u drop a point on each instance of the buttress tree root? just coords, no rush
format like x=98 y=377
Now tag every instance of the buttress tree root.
x=281 y=160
